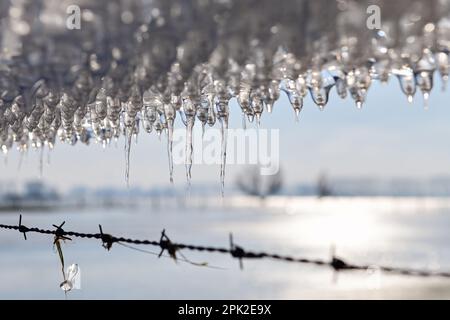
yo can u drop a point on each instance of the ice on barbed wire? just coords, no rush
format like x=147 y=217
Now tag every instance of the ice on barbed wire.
x=72 y=278
x=171 y=62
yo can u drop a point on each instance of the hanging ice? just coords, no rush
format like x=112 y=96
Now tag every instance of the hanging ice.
x=116 y=74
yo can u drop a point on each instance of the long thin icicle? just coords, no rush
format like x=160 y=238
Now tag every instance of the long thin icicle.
x=169 y=147
x=224 y=133
x=189 y=147
x=128 y=136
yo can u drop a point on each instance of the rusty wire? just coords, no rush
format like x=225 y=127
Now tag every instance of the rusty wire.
x=237 y=252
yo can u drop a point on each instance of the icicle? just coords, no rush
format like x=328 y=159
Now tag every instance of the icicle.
x=169 y=147
x=319 y=85
x=223 y=112
x=224 y=134
x=424 y=80
x=296 y=103
x=223 y=97
x=358 y=82
x=407 y=82
x=244 y=98
x=272 y=96
x=189 y=147
x=257 y=106
x=170 y=113
x=189 y=115
x=128 y=136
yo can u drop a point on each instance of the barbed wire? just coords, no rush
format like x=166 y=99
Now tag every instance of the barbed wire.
x=237 y=252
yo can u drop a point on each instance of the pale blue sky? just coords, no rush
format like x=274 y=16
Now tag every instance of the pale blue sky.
x=387 y=138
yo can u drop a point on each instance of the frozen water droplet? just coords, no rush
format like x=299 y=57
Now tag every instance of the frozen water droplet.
x=320 y=95
x=72 y=278
x=410 y=98
x=296 y=102
x=359 y=105
x=424 y=80
x=66 y=285
x=319 y=84
x=407 y=82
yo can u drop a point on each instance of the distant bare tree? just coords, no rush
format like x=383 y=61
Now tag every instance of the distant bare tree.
x=323 y=188
x=252 y=183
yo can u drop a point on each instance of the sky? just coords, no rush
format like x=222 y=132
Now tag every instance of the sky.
x=388 y=138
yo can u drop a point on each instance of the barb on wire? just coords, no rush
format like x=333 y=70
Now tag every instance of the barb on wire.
x=237 y=252
x=107 y=239
x=22 y=228
x=60 y=236
x=166 y=244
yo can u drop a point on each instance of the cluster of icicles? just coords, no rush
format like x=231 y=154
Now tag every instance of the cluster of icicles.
x=103 y=99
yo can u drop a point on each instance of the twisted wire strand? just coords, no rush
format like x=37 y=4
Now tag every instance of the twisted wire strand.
x=235 y=251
